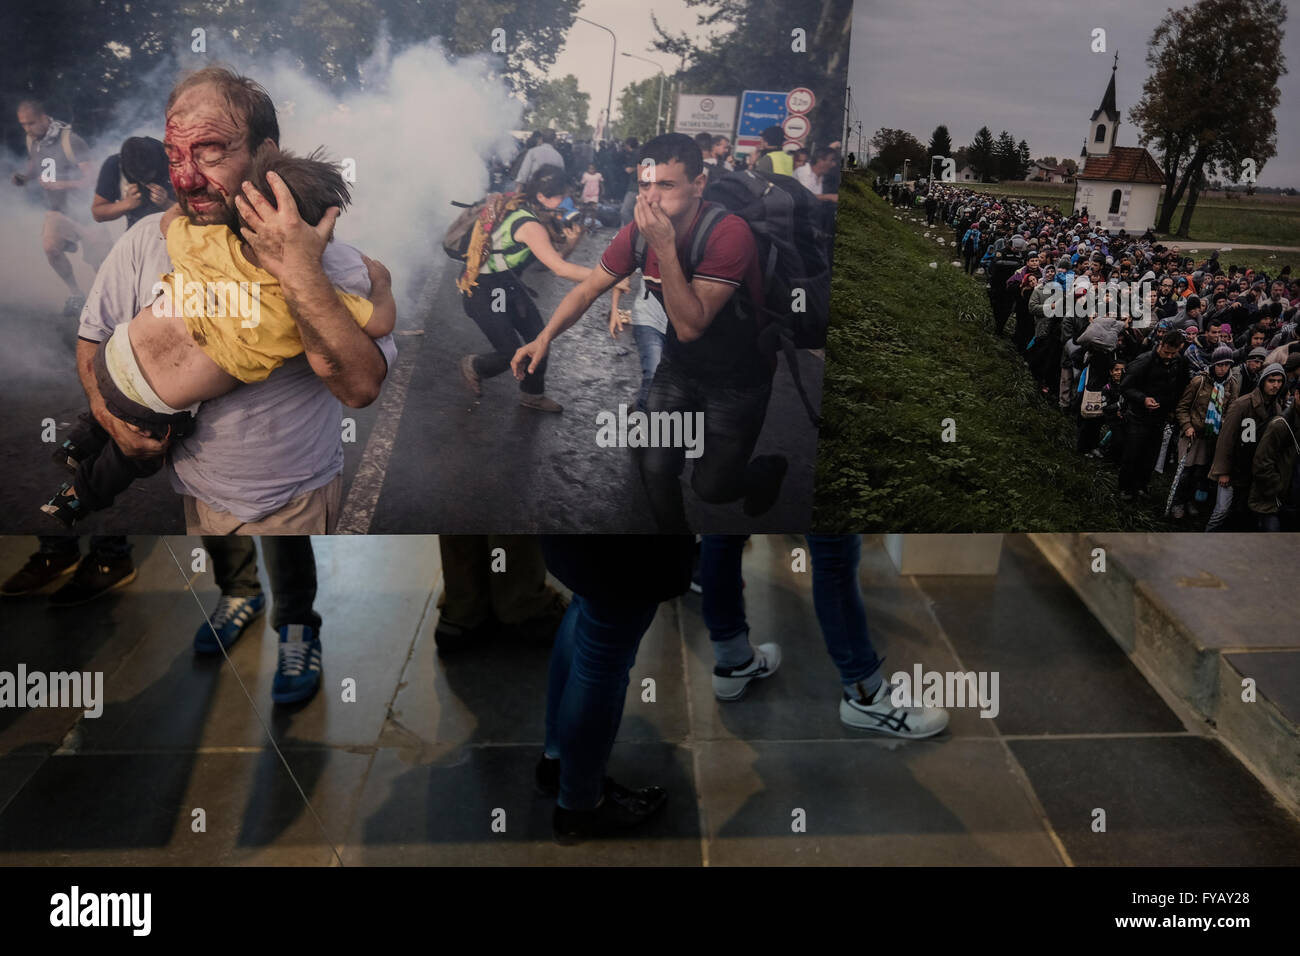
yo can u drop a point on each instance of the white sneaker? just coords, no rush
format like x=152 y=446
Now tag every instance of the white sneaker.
x=729 y=683
x=880 y=715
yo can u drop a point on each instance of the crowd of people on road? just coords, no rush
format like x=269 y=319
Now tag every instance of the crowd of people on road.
x=1166 y=361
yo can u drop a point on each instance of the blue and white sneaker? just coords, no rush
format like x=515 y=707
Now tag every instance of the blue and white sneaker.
x=729 y=683
x=229 y=620
x=297 y=676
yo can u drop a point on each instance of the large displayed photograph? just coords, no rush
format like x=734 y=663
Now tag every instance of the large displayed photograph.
x=645 y=701
x=1065 y=295
x=376 y=267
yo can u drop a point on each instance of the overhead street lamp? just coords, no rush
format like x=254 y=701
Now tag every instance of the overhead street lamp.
x=659 y=116
x=609 y=100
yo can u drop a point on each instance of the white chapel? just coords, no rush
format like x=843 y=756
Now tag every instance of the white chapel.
x=1119 y=185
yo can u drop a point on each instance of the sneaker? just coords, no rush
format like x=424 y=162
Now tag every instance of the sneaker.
x=297 y=675
x=95 y=576
x=470 y=375
x=619 y=809
x=540 y=402
x=228 y=620
x=880 y=715
x=69 y=455
x=40 y=571
x=65 y=506
x=729 y=683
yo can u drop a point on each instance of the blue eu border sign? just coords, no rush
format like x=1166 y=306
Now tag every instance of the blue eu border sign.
x=759 y=109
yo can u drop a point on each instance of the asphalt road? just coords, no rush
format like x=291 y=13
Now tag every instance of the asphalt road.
x=428 y=457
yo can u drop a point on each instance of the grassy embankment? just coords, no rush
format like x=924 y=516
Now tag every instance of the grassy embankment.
x=911 y=346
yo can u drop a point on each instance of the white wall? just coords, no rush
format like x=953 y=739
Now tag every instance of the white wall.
x=1142 y=207
x=1137 y=209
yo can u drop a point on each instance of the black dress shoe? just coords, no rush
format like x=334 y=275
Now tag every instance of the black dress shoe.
x=620 y=809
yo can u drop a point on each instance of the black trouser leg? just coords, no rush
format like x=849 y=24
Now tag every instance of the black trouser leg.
x=505 y=313
x=291 y=566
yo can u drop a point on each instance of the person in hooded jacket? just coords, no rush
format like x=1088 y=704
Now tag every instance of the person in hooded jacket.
x=1275 y=485
x=1239 y=440
x=1199 y=417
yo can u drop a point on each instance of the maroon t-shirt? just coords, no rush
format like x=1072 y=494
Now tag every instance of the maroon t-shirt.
x=727 y=353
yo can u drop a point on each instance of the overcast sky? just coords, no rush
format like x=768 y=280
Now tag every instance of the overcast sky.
x=1024 y=66
x=587 y=48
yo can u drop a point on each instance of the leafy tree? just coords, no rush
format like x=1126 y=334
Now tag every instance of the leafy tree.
x=87 y=58
x=637 y=106
x=1071 y=166
x=940 y=142
x=1210 y=100
x=758 y=53
x=983 y=154
x=892 y=147
x=561 y=103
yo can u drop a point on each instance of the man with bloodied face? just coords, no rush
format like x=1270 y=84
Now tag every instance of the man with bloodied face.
x=266 y=457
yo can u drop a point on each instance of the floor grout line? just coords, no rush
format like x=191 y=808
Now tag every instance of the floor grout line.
x=690 y=742
x=1017 y=769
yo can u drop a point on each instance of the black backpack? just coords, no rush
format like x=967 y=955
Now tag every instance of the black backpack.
x=793 y=257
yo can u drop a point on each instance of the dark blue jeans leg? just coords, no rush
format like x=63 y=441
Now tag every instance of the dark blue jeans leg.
x=837 y=600
x=723 y=600
x=585 y=698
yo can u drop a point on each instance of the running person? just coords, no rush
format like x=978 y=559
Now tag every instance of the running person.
x=711 y=362
x=518 y=240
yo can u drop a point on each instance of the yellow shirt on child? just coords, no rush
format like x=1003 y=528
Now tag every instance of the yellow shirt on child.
x=234 y=310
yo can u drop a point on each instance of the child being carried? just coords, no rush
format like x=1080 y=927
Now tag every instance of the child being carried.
x=186 y=348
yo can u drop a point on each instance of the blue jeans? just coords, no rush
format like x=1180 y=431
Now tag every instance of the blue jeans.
x=594 y=650
x=837 y=598
x=650 y=346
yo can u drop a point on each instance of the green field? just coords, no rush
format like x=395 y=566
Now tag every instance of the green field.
x=910 y=347
x=1258 y=220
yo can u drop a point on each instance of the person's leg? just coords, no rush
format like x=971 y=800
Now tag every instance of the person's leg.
x=291 y=566
x=722 y=598
x=56 y=236
x=1222 y=508
x=234 y=564
x=625 y=212
x=558 y=676
x=650 y=347
x=528 y=324
x=604 y=645
x=1268 y=522
x=1135 y=451
x=661 y=468
x=492 y=307
x=837 y=599
x=520 y=594
x=102 y=477
x=733 y=420
x=466 y=597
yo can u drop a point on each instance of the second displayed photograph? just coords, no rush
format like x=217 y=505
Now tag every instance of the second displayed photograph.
x=558 y=273
x=1064 y=296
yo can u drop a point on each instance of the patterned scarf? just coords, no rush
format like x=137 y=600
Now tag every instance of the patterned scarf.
x=1214 y=411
